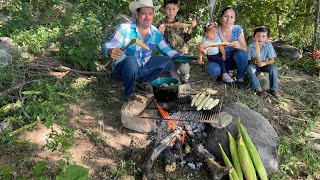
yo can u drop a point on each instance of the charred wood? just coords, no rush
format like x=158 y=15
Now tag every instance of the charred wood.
x=157 y=151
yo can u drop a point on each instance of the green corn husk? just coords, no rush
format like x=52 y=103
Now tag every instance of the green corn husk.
x=245 y=161
x=233 y=174
x=234 y=155
x=255 y=157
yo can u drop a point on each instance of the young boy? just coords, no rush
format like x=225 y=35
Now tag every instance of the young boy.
x=177 y=38
x=264 y=63
x=212 y=53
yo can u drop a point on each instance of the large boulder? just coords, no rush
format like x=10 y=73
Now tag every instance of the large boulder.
x=285 y=50
x=259 y=129
x=5 y=57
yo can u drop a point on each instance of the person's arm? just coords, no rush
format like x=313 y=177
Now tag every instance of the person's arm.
x=264 y=63
x=111 y=48
x=187 y=36
x=199 y=57
x=240 y=44
x=223 y=53
x=164 y=48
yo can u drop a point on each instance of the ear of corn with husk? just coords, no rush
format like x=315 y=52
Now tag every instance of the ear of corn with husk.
x=233 y=174
x=253 y=152
x=234 y=155
x=245 y=160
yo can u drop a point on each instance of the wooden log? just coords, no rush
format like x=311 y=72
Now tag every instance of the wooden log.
x=156 y=152
x=215 y=168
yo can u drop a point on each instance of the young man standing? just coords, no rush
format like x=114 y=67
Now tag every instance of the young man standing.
x=135 y=63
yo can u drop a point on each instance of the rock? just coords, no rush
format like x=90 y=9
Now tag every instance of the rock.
x=5 y=57
x=3 y=126
x=129 y=117
x=13 y=49
x=224 y=119
x=262 y=134
x=284 y=50
x=184 y=90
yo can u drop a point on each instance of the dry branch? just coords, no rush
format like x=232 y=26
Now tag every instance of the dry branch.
x=62 y=69
x=17 y=86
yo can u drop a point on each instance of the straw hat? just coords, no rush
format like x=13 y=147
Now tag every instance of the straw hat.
x=133 y=6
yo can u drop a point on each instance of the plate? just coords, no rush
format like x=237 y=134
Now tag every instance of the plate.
x=185 y=59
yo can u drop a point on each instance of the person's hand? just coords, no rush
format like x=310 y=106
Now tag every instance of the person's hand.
x=255 y=60
x=235 y=44
x=193 y=23
x=162 y=28
x=261 y=63
x=203 y=48
x=200 y=61
x=115 y=53
x=223 y=57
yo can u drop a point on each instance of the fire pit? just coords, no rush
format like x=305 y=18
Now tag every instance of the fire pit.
x=181 y=126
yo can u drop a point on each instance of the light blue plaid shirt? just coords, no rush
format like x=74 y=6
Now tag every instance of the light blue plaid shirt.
x=123 y=35
x=266 y=52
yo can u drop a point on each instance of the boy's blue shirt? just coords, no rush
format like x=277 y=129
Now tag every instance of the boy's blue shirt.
x=266 y=52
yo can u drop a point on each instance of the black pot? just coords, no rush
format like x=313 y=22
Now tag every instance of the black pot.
x=168 y=93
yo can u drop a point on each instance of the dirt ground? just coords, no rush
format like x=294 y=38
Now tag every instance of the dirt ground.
x=102 y=144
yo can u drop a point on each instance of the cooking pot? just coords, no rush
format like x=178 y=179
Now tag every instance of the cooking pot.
x=165 y=89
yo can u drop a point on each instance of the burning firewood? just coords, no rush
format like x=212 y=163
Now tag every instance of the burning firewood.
x=156 y=152
x=215 y=168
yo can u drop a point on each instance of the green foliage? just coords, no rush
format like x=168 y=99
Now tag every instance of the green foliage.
x=36 y=39
x=127 y=168
x=73 y=172
x=61 y=142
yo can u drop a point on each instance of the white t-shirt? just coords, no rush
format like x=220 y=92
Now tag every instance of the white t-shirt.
x=211 y=50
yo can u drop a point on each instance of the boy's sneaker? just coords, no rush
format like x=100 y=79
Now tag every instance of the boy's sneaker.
x=274 y=93
x=227 y=78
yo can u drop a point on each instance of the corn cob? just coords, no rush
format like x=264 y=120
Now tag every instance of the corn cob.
x=256 y=45
x=245 y=160
x=219 y=44
x=203 y=102
x=140 y=43
x=234 y=155
x=177 y=25
x=227 y=163
x=194 y=99
x=202 y=95
x=207 y=103
x=253 y=152
x=213 y=104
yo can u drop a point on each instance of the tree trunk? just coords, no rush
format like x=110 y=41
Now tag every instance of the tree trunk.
x=278 y=13
x=316 y=25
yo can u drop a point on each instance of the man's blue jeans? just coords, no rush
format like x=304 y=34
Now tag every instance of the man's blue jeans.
x=253 y=70
x=238 y=60
x=129 y=71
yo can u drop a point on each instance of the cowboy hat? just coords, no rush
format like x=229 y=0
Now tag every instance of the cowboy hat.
x=133 y=6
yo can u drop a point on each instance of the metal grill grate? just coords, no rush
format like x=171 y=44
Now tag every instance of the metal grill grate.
x=181 y=110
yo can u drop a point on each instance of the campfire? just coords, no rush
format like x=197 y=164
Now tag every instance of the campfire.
x=180 y=131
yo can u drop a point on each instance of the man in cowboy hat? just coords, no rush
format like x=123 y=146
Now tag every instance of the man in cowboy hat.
x=136 y=63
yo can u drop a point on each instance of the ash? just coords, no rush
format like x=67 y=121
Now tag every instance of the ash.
x=188 y=158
